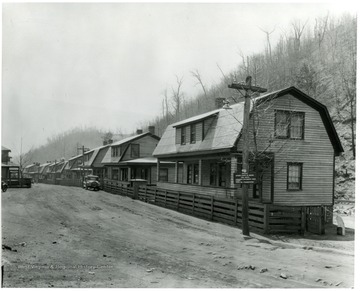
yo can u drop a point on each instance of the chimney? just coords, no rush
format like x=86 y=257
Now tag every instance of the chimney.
x=219 y=102
x=151 y=129
x=139 y=131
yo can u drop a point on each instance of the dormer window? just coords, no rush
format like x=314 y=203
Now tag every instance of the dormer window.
x=116 y=151
x=193 y=133
x=135 y=150
x=183 y=135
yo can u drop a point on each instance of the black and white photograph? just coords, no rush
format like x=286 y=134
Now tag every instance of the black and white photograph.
x=178 y=145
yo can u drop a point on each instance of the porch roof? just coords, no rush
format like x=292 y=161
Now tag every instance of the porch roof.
x=143 y=161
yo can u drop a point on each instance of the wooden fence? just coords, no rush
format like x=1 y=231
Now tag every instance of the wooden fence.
x=263 y=218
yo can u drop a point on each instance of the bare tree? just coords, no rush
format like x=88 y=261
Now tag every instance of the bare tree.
x=177 y=96
x=200 y=82
x=268 y=43
x=298 y=29
x=321 y=28
x=165 y=105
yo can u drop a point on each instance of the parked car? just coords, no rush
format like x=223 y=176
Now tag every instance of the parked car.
x=92 y=182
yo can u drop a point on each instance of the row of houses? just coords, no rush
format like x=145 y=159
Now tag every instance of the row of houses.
x=293 y=152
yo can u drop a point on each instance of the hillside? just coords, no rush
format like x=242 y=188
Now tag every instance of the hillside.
x=65 y=145
x=318 y=58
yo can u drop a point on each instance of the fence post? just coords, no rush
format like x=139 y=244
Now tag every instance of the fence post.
x=193 y=203
x=212 y=207
x=136 y=191
x=235 y=211
x=266 y=218
x=146 y=194
x=155 y=196
x=165 y=197
x=178 y=201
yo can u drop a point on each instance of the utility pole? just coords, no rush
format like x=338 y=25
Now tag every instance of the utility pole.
x=83 y=149
x=245 y=151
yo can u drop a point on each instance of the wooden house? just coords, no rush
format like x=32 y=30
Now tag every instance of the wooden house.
x=43 y=169
x=5 y=155
x=32 y=171
x=93 y=159
x=131 y=158
x=76 y=169
x=293 y=148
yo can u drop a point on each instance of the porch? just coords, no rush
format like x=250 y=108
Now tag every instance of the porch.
x=213 y=175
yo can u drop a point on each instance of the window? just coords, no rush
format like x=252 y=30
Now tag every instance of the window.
x=135 y=150
x=189 y=174
x=222 y=175
x=193 y=133
x=183 y=135
x=193 y=174
x=124 y=174
x=115 y=174
x=116 y=151
x=294 y=176
x=196 y=174
x=163 y=175
x=289 y=124
x=143 y=174
x=297 y=125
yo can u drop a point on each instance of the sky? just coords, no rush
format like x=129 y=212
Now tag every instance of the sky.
x=107 y=65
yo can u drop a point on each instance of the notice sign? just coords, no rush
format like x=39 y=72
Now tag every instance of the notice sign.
x=244 y=178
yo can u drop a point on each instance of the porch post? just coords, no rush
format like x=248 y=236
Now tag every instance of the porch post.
x=129 y=173
x=176 y=172
x=233 y=170
x=158 y=170
x=200 y=172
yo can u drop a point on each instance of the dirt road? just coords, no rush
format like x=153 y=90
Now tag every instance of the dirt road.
x=56 y=236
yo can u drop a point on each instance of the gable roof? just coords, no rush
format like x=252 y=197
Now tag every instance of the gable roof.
x=227 y=126
x=321 y=108
x=108 y=159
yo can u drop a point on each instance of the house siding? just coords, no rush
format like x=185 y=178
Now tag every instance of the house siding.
x=147 y=146
x=315 y=151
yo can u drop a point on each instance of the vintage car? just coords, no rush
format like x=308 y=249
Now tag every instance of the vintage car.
x=91 y=182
